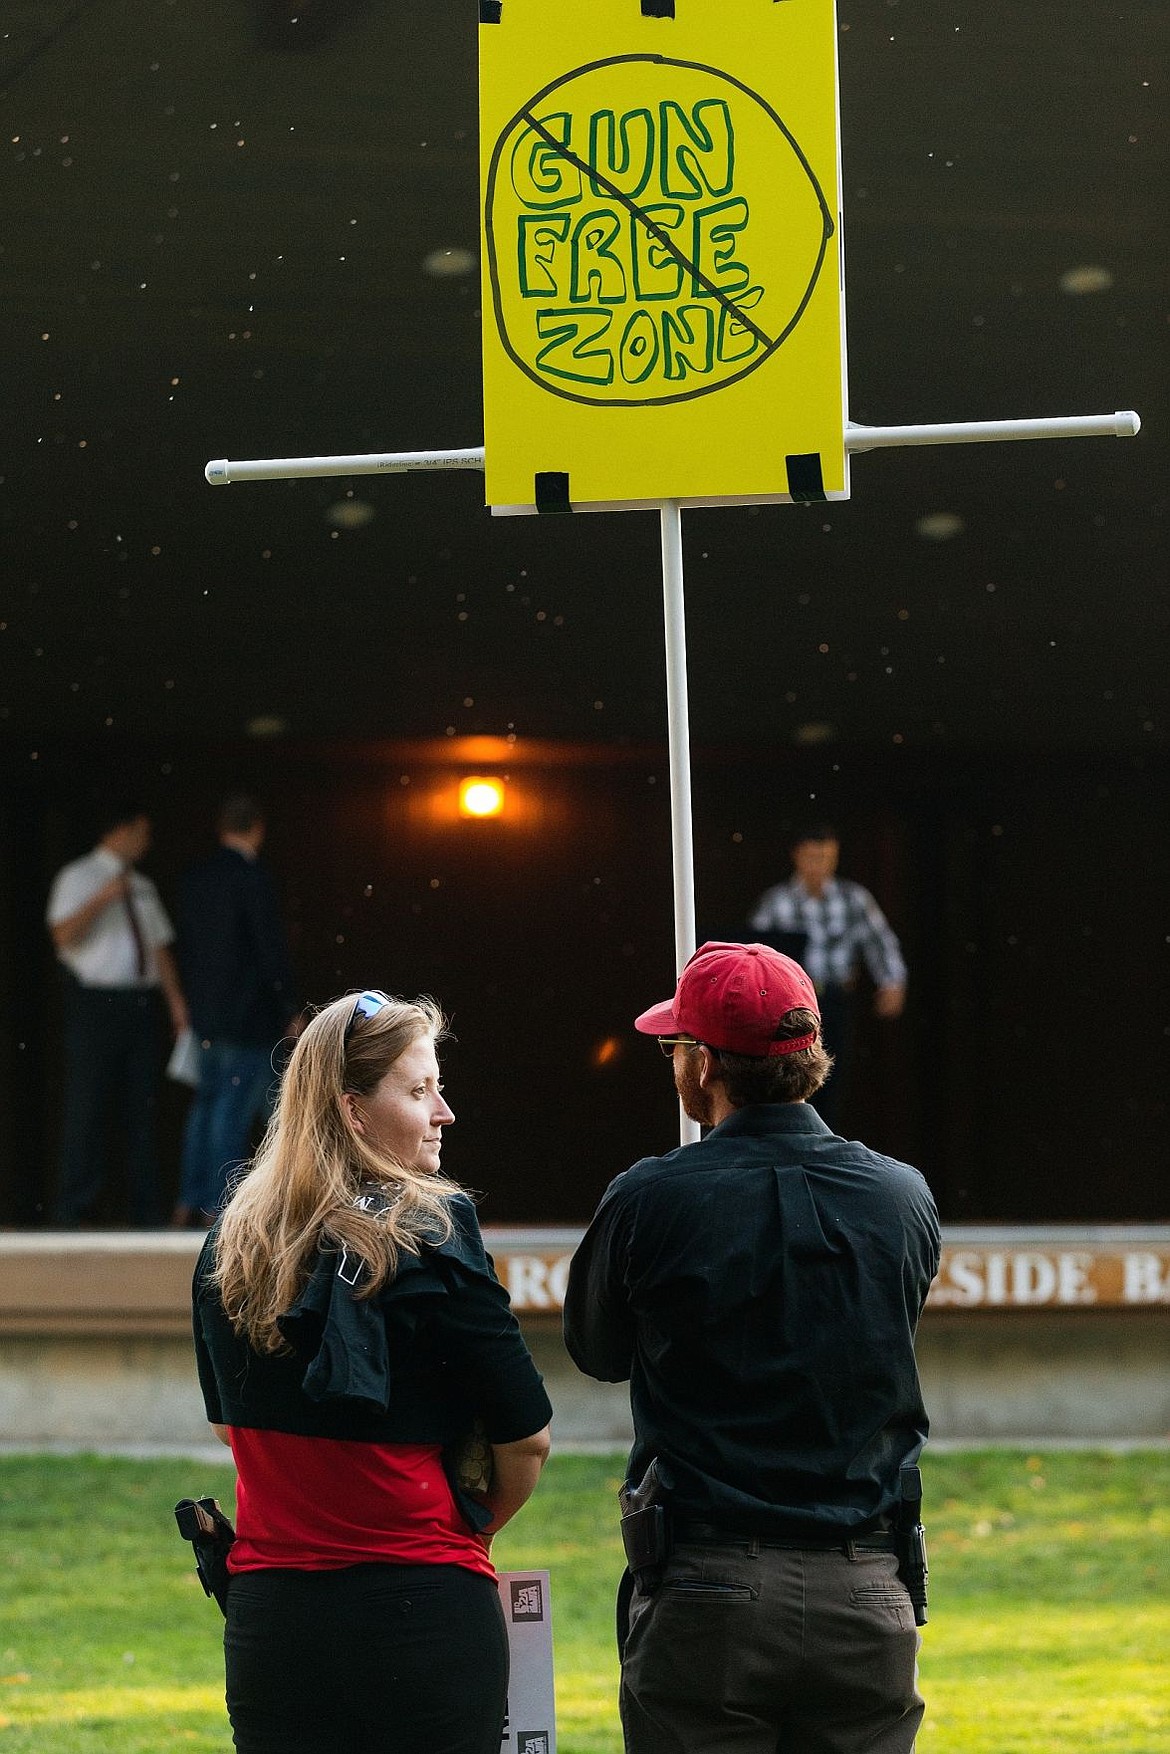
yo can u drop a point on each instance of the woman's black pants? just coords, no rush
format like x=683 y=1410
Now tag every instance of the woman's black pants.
x=377 y=1659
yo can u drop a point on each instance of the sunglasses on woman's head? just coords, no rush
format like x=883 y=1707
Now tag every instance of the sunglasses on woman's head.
x=367 y=1005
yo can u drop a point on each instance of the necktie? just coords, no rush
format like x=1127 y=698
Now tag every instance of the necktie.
x=135 y=933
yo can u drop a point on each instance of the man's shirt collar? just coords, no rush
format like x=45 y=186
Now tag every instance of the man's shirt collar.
x=760 y=1118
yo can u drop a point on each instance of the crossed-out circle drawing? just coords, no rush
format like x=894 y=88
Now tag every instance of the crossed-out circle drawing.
x=654 y=232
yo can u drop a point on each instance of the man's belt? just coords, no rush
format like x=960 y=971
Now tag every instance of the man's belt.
x=831 y=1541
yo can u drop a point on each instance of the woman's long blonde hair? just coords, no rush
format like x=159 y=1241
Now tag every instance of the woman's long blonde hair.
x=304 y=1180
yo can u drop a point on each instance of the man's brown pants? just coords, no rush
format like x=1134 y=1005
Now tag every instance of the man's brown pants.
x=750 y=1649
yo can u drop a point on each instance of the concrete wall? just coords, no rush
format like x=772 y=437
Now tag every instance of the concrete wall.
x=100 y=1390
x=994 y=1380
x=94 y=1349
x=1093 y=1376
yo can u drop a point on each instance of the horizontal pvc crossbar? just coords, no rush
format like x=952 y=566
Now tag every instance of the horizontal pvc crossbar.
x=221 y=472
x=1124 y=424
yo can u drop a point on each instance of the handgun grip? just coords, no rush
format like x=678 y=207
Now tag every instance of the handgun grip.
x=202 y=1519
x=191 y=1519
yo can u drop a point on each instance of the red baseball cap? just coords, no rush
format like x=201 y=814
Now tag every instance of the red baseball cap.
x=733 y=996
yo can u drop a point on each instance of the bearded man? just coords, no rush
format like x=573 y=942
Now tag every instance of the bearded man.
x=760 y=1290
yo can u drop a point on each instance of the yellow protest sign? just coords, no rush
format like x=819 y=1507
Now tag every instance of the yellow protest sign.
x=663 y=315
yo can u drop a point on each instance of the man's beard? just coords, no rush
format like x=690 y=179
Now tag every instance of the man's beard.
x=697 y=1103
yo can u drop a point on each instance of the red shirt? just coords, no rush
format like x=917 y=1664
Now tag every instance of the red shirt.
x=318 y=1503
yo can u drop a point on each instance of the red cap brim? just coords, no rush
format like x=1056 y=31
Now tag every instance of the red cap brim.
x=659 y=1020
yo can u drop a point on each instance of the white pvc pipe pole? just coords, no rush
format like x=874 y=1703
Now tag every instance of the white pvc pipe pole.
x=1124 y=424
x=679 y=740
x=221 y=472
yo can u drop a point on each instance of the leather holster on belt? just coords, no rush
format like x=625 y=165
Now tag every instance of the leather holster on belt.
x=645 y=1530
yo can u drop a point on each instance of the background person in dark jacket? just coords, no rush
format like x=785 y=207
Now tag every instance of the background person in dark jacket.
x=760 y=1289
x=240 y=992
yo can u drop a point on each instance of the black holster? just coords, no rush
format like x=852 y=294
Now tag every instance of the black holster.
x=203 y=1523
x=910 y=1537
x=645 y=1530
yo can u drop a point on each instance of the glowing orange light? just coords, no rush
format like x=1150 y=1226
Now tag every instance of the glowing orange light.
x=480 y=797
x=607 y=1051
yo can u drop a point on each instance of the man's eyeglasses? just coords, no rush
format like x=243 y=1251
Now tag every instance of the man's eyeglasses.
x=668 y=1043
x=368 y=1005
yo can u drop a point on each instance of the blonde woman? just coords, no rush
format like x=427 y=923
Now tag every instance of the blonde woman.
x=350 y=1333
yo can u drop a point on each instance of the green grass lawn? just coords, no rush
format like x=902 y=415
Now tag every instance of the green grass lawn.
x=1049 y=1633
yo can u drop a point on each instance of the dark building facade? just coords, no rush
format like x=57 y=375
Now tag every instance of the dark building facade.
x=1027 y=1077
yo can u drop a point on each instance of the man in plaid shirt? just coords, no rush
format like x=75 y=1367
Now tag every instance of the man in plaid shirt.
x=841 y=925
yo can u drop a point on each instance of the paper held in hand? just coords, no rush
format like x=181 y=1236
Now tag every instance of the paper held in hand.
x=183 y=1065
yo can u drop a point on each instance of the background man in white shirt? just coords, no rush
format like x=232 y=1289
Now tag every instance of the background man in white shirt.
x=112 y=938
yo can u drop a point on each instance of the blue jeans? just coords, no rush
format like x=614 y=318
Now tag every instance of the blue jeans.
x=234 y=1089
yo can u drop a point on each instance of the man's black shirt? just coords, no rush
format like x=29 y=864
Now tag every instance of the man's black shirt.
x=761 y=1289
x=233 y=956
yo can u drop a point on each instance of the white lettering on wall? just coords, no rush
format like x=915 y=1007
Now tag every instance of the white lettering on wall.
x=1033 y=1278
x=528 y=1282
x=965 y=1280
x=1023 y=1278
x=1072 y=1284
x=996 y=1285
x=558 y=1279
x=969 y=1278
x=534 y=1283
x=1144 y=1279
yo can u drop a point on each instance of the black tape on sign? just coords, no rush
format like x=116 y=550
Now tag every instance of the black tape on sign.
x=657 y=8
x=552 y=492
x=490 y=10
x=805 y=481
